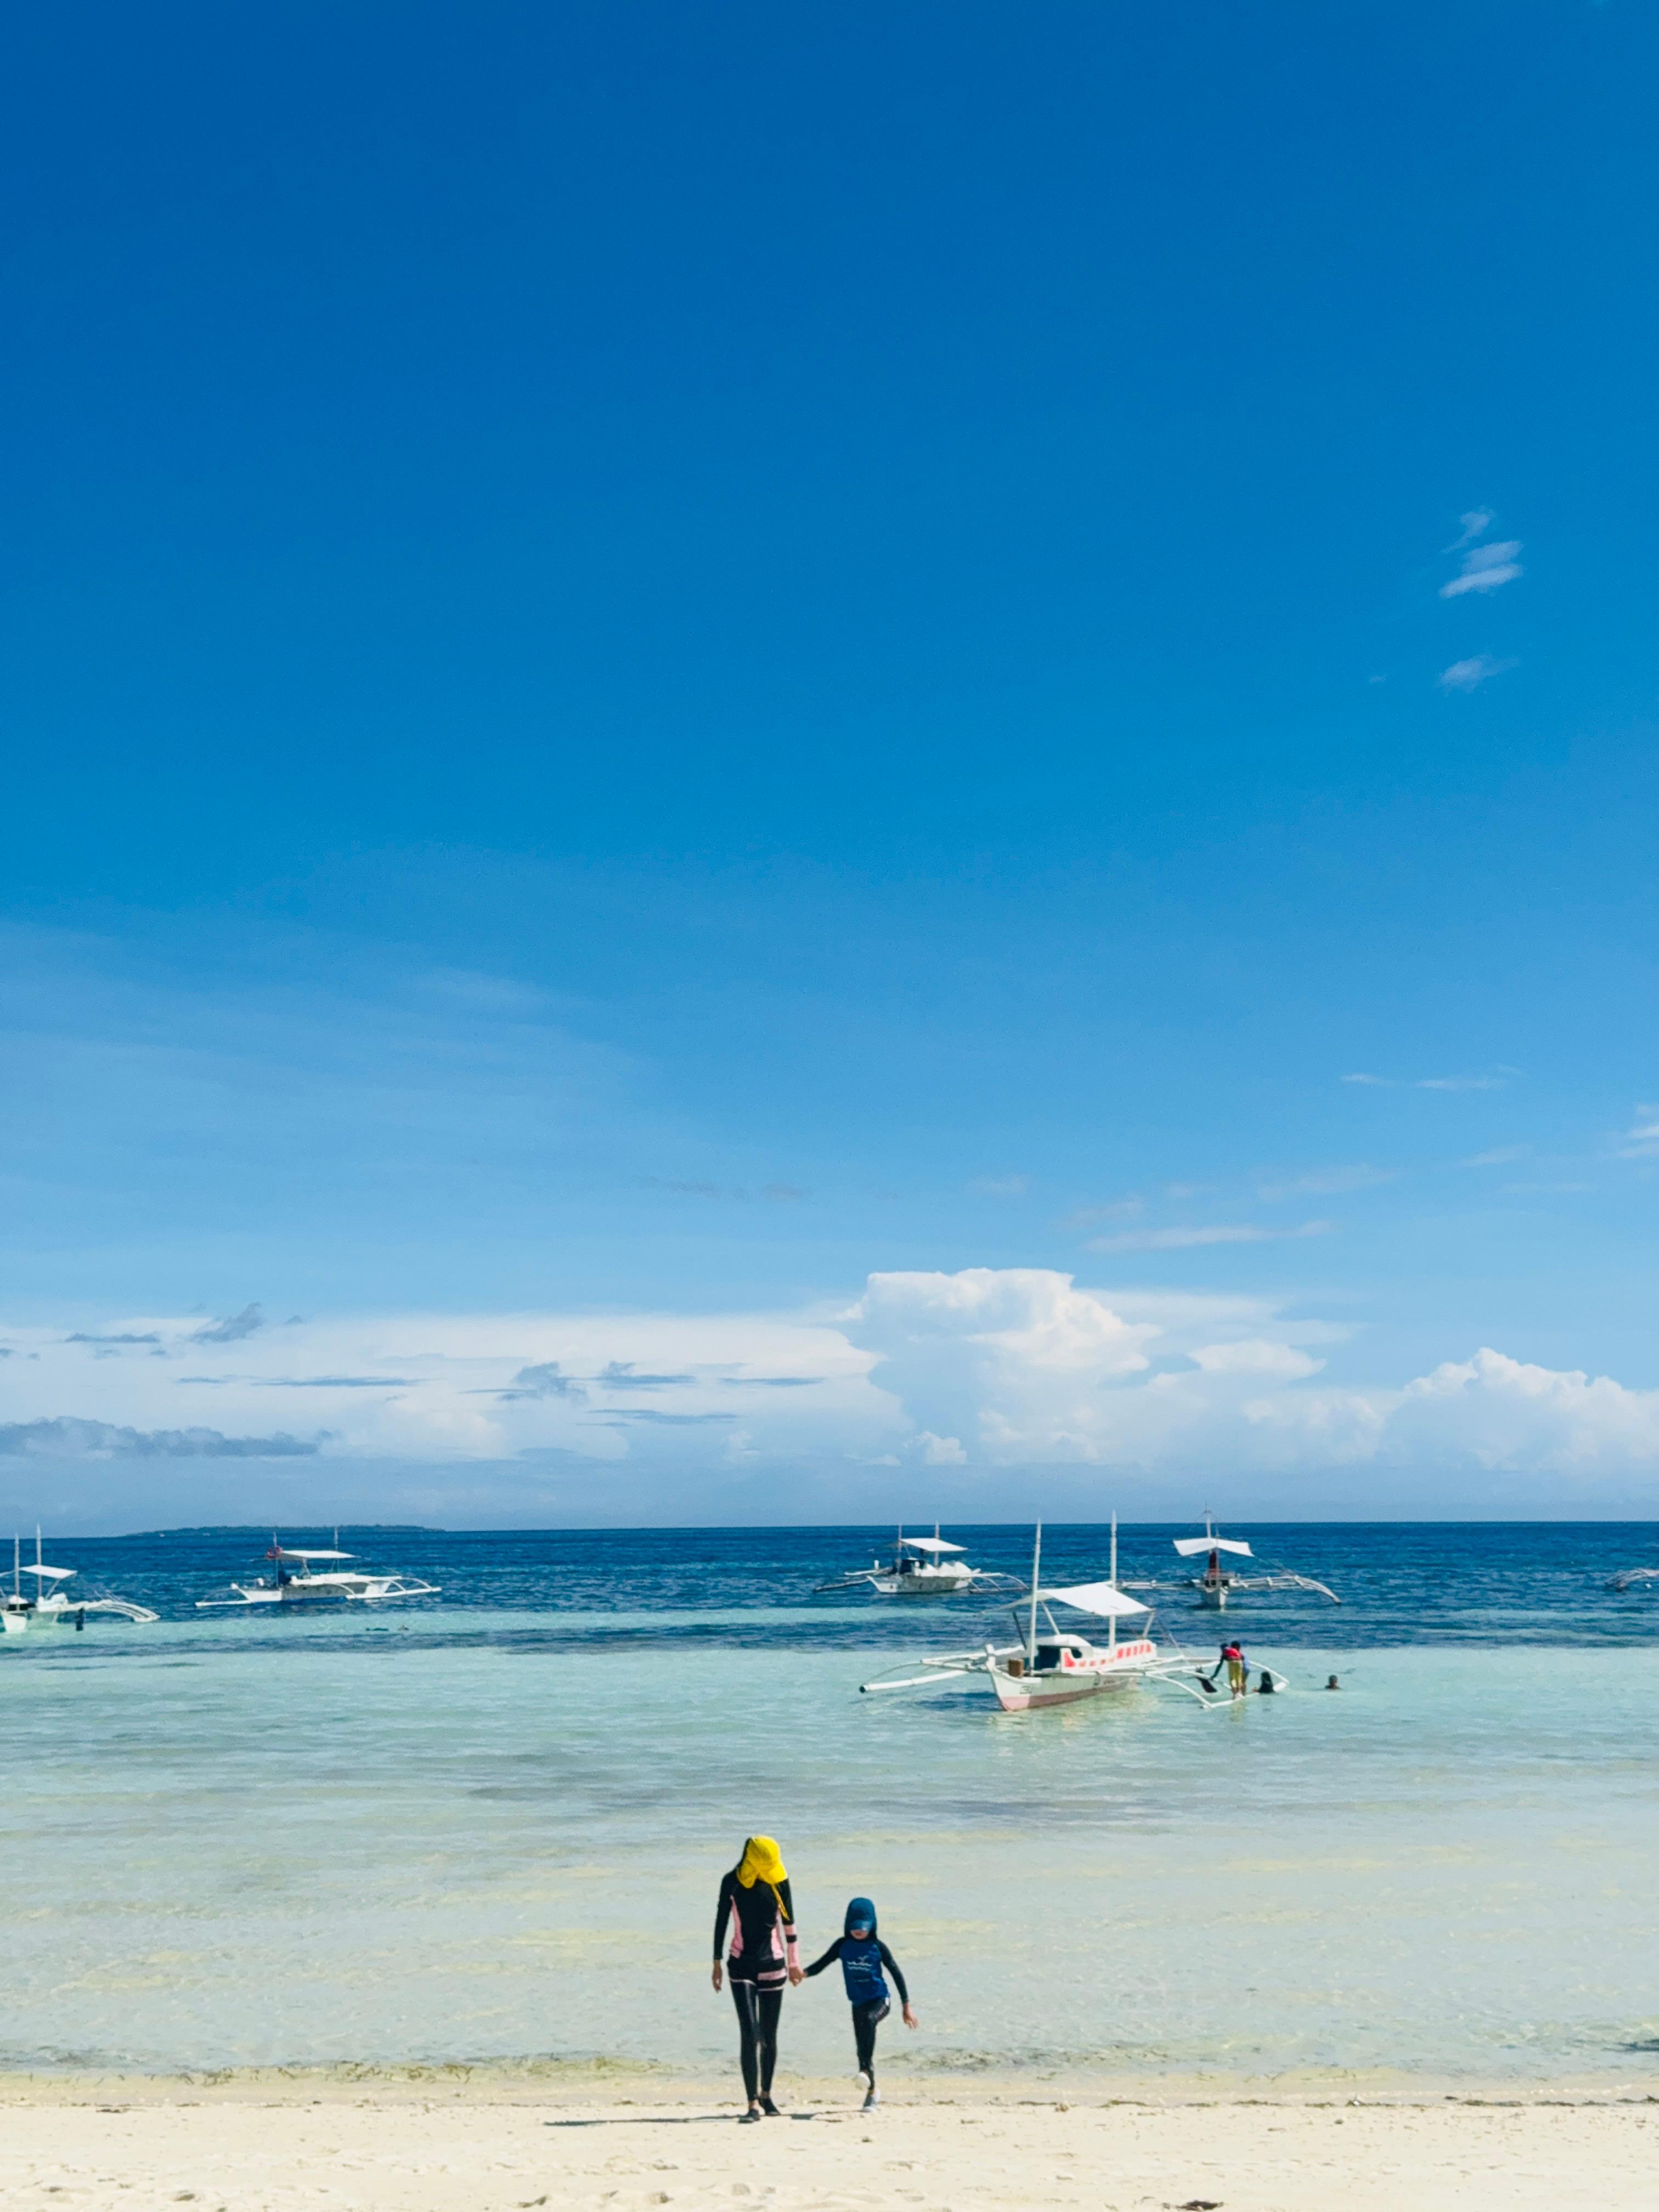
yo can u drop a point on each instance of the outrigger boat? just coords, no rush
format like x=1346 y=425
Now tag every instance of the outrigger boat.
x=921 y=1566
x=49 y=1605
x=305 y=1576
x=1055 y=1666
x=1634 y=1577
x=1219 y=1582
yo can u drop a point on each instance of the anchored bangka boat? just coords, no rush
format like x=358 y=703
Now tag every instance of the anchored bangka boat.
x=308 y=1576
x=47 y=1604
x=921 y=1566
x=1056 y=1666
x=1219 y=1582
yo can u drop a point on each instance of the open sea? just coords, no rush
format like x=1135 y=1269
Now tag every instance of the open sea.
x=490 y=1825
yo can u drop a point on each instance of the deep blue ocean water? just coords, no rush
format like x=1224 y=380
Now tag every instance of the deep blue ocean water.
x=1462 y=1582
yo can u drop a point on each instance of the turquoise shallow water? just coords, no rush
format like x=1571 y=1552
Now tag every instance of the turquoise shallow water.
x=359 y=1841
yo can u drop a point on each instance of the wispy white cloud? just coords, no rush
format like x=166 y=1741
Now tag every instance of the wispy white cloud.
x=1484 y=568
x=1114 y=1209
x=1500 y=1156
x=1321 y=1183
x=1013 y=1186
x=1476 y=521
x=1256 y=1355
x=1495 y=1081
x=1187 y=1239
x=1641 y=1140
x=67 y=1438
x=1469 y=675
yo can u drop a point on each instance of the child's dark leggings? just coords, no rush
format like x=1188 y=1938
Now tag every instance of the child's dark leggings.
x=866 y=2019
x=758 y=2030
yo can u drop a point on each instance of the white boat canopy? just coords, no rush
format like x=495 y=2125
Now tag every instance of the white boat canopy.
x=1093 y=1597
x=929 y=1544
x=1190 y=1546
x=293 y=1551
x=50 y=1574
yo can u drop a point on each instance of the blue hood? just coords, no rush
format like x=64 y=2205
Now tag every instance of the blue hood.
x=861 y=1911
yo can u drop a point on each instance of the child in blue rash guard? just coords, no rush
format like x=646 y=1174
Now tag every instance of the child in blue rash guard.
x=862 y=1956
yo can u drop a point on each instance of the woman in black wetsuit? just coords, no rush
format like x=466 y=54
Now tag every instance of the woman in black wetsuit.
x=761 y=1957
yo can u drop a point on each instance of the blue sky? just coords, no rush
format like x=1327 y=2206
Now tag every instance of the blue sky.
x=686 y=687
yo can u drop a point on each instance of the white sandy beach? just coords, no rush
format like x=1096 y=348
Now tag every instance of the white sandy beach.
x=232 y=2147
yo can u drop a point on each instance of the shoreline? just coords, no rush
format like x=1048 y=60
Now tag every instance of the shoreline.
x=625 y=2086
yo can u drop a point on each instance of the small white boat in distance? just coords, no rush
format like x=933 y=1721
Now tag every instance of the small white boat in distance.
x=305 y=1576
x=1634 y=1578
x=921 y=1566
x=1219 y=1582
x=47 y=1604
x=1055 y=1666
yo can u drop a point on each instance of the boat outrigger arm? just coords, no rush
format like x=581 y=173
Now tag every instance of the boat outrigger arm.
x=316 y=1575
x=1219 y=1580
x=123 y=1607
x=1105 y=1599
x=932 y=1572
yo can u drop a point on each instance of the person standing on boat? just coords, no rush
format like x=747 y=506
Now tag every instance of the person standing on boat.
x=862 y=1956
x=754 y=1898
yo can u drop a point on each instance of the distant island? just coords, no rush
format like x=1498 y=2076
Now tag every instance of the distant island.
x=263 y=1528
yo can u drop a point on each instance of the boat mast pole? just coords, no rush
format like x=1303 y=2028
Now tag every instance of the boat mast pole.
x=1037 y=1562
x=1111 y=1576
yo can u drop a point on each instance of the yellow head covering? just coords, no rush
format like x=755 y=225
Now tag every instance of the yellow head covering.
x=762 y=1861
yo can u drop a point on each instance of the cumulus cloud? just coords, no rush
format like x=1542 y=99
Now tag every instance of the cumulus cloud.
x=1490 y=1411
x=1484 y=568
x=953 y=1375
x=940 y=1451
x=1014 y=1358
x=64 y=1438
x=126 y=1336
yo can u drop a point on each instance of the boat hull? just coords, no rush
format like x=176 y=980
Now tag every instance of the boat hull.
x=1098 y=1675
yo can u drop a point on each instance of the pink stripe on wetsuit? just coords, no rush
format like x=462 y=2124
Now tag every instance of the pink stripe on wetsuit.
x=763 y=1917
